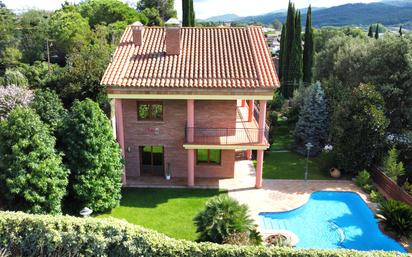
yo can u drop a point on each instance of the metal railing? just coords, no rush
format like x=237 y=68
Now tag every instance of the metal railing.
x=225 y=136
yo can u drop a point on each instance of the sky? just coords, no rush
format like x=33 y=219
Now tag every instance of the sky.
x=203 y=8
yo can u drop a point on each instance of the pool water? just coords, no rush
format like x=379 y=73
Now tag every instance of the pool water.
x=332 y=220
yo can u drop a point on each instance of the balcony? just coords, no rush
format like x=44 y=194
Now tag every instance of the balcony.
x=245 y=135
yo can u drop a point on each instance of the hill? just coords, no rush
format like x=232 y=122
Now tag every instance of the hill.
x=387 y=12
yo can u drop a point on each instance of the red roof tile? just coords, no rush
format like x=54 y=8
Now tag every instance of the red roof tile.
x=209 y=58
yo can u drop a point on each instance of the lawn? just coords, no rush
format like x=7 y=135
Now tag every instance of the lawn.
x=169 y=211
x=281 y=163
x=289 y=165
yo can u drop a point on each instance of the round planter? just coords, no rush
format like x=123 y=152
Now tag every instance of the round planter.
x=335 y=173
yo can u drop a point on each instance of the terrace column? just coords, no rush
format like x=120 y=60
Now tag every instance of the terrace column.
x=250 y=111
x=119 y=130
x=190 y=139
x=243 y=103
x=262 y=125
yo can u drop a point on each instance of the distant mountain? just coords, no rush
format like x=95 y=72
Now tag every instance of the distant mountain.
x=224 y=18
x=388 y=12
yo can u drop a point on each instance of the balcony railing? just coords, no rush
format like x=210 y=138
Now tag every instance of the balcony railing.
x=225 y=136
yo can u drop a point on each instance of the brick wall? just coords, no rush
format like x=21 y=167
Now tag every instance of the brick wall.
x=170 y=133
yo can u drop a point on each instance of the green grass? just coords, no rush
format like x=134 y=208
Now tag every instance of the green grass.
x=170 y=211
x=289 y=165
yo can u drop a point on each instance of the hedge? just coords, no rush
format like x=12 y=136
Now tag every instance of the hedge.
x=42 y=235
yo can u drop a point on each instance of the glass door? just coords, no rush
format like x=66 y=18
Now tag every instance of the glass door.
x=151 y=159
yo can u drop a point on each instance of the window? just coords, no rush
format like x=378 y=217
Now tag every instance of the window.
x=149 y=111
x=208 y=156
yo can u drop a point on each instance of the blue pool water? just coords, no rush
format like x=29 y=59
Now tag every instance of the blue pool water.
x=332 y=220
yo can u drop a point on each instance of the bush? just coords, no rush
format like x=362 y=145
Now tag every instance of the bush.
x=397 y=217
x=221 y=217
x=32 y=177
x=363 y=179
x=376 y=197
x=11 y=97
x=358 y=129
x=391 y=166
x=93 y=156
x=39 y=235
x=277 y=103
x=407 y=187
x=49 y=107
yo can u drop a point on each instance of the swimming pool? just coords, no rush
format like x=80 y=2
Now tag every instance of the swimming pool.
x=332 y=220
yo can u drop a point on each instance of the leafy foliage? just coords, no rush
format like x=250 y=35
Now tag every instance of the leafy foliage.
x=93 y=157
x=34 y=235
x=31 y=172
x=11 y=97
x=221 y=217
x=363 y=179
x=312 y=125
x=358 y=129
x=13 y=77
x=165 y=7
x=391 y=166
x=398 y=217
x=49 y=107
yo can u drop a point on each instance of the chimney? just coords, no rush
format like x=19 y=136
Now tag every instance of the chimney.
x=173 y=35
x=137 y=32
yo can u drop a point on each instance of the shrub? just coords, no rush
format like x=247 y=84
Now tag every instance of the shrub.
x=221 y=217
x=358 y=129
x=397 y=217
x=241 y=238
x=32 y=177
x=407 y=187
x=376 y=197
x=273 y=118
x=277 y=102
x=49 y=107
x=11 y=97
x=312 y=125
x=391 y=166
x=93 y=156
x=363 y=179
x=40 y=235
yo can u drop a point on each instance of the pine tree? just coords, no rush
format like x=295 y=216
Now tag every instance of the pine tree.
x=370 y=33
x=309 y=49
x=312 y=125
x=377 y=31
x=282 y=52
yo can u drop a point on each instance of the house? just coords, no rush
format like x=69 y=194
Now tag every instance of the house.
x=186 y=100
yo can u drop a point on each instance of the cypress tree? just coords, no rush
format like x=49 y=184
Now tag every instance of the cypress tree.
x=400 y=31
x=295 y=62
x=186 y=12
x=192 y=14
x=289 y=35
x=309 y=49
x=282 y=52
x=377 y=31
x=370 y=33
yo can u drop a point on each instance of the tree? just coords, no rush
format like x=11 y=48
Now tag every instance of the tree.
x=34 y=32
x=358 y=129
x=8 y=37
x=377 y=31
x=282 y=52
x=14 y=77
x=400 y=31
x=221 y=217
x=32 y=176
x=277 y=25
x=188 y=13
x=12 y=97
x=69 y=30
x=370 y=32
x=295 y=68
x=309 y=49
x=165 y=7
x=153 y=17
x=312 y=126
x=49 y=107
x=93 y=156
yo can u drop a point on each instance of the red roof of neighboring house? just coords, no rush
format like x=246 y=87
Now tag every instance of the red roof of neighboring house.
x=209 y=58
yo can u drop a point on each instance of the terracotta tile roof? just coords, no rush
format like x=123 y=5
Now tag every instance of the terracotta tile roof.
x=209 y=58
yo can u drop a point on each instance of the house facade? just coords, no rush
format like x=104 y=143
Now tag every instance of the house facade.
x=186 y=101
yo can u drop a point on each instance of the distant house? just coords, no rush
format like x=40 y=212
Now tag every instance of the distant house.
x=186 y=100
